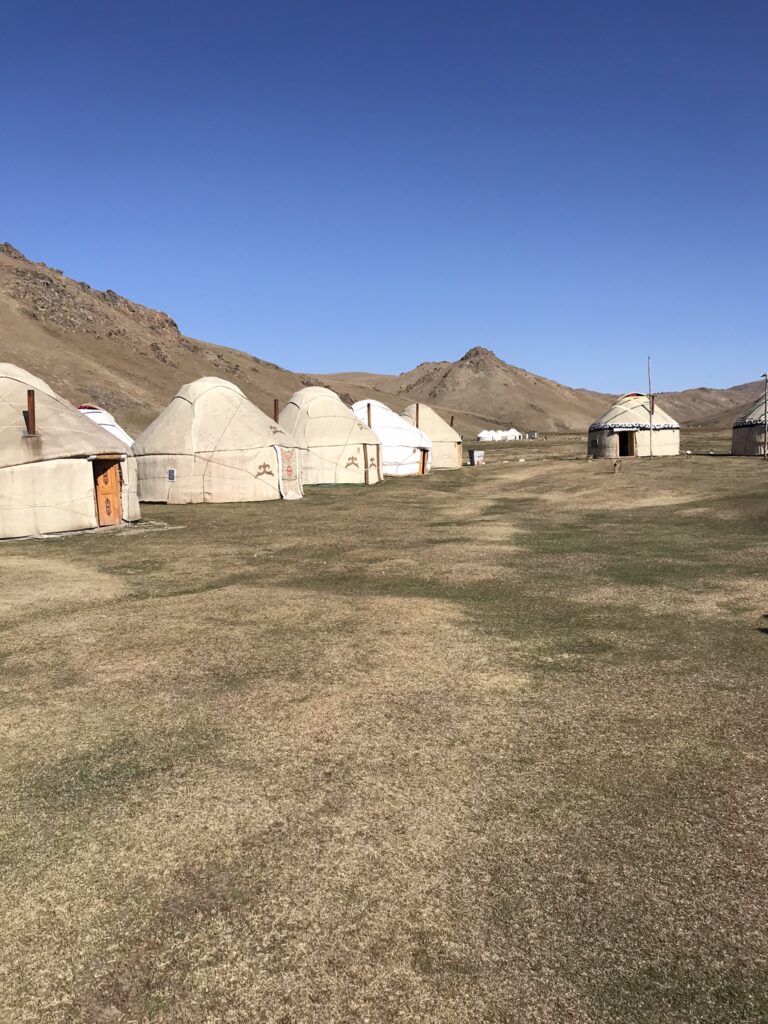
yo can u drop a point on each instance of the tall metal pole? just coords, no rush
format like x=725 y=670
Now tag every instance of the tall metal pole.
x=650 y=406
x=765 y=417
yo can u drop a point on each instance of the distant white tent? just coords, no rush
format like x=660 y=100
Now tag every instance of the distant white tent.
x=107 y=421
x=59 y=472
x=749 y=431
x=625 y=430
x=500 y=435
x=405 y=449
x=446 y=442
x=212 y=444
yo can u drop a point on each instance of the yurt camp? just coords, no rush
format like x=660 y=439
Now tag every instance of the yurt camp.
x=211 y=444
x=446 y=442
x=634 y=426
x=510 y=434
x=336 y=448
x=59 y=472
x=405 y=449
x=106 y=421
x=748 y=436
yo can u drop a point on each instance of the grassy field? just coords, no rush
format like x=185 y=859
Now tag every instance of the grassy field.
x=484 y=747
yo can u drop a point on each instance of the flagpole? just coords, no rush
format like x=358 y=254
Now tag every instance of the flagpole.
x=650 y=407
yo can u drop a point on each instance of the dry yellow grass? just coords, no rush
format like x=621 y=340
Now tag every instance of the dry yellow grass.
x=488 y=746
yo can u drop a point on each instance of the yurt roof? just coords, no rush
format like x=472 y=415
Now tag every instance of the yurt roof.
x=390 y=428
x=61 y=432
x=210 y=415
x=317 y=416
x=633 y=412
x=434 y=426
x=755 y=416
x=106 y=421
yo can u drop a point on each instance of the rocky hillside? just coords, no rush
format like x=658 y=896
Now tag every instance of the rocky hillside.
x=483 y=387
x=96 y=346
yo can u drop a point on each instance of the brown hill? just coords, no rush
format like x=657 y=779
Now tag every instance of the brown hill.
x=480 y=385
x=715 y=408
x=95 y=346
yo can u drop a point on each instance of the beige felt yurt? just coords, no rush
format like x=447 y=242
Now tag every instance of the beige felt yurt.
x=212 y=444
x=446 y=442
x=748 y=436
x=631 y=427
x=336 y=448
x=59 y=472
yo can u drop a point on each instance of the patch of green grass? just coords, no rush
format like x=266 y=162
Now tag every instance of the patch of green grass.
x=108 y=771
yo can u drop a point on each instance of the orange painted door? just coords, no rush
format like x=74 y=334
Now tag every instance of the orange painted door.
x=106 y=473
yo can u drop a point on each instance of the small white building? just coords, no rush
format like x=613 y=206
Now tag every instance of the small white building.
x=510 y=434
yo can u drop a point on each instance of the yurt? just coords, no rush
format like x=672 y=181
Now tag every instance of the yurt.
x=336 y=448
x=106 y=421
x=212 y=444
x=405 y=449
x=625 y=430
x=748 y=436
x=59 y=472
x=446 y=442
x=511 y=434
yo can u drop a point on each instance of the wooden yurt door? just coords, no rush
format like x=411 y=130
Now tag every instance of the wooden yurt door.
x=423 y=462
x=106 y=475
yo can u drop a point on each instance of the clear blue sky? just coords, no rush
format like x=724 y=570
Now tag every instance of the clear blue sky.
x=370 y=185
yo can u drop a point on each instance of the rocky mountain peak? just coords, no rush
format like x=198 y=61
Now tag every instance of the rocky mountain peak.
x=479 y=358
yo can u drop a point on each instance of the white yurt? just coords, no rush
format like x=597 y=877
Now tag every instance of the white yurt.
x=336 y=448
x=212 y=444
x=107 y=421
x=625 y=430
x=748 y=436
x=500 y=435
x=446 y=442
x=59 y=472
x=405 y=449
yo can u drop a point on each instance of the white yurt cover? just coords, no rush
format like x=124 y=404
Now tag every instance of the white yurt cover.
x=336 y=448
x=211 y=444
x=107 y=421
x=47 y=480
x=500 y=435
x=402 y=444
x=446 y=442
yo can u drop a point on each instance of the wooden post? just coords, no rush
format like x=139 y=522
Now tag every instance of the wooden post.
x=369 y=414
x=29 y=416
x=276 y=417
x=365 y=460
x=452 y=421
x=417 y=415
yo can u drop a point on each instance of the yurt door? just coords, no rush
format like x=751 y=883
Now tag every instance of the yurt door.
x=106 y=475
x=289 y=472
x=423 y=462
x=627 y=442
